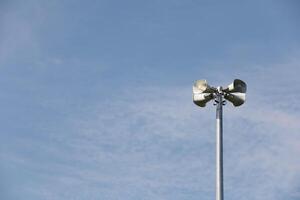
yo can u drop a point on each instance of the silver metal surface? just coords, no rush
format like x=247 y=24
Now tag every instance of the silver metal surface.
x=219 y=147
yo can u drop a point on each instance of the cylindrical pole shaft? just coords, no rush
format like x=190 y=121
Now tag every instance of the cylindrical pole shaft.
x=219 y=148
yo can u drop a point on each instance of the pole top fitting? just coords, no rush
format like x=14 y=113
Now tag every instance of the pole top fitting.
x=219 y=89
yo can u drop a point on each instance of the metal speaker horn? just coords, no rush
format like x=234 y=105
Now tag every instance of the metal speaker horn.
x=237 y=86
x=201 y=86
x=202 y=93
x=236 y=98
x=200 y=99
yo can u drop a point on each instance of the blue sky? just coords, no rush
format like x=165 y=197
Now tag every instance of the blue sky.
x=96 y=99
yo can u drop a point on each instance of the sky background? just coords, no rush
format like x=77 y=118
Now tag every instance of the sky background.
x=96 y=99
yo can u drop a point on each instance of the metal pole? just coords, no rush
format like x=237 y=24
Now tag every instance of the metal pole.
x=219 y=148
